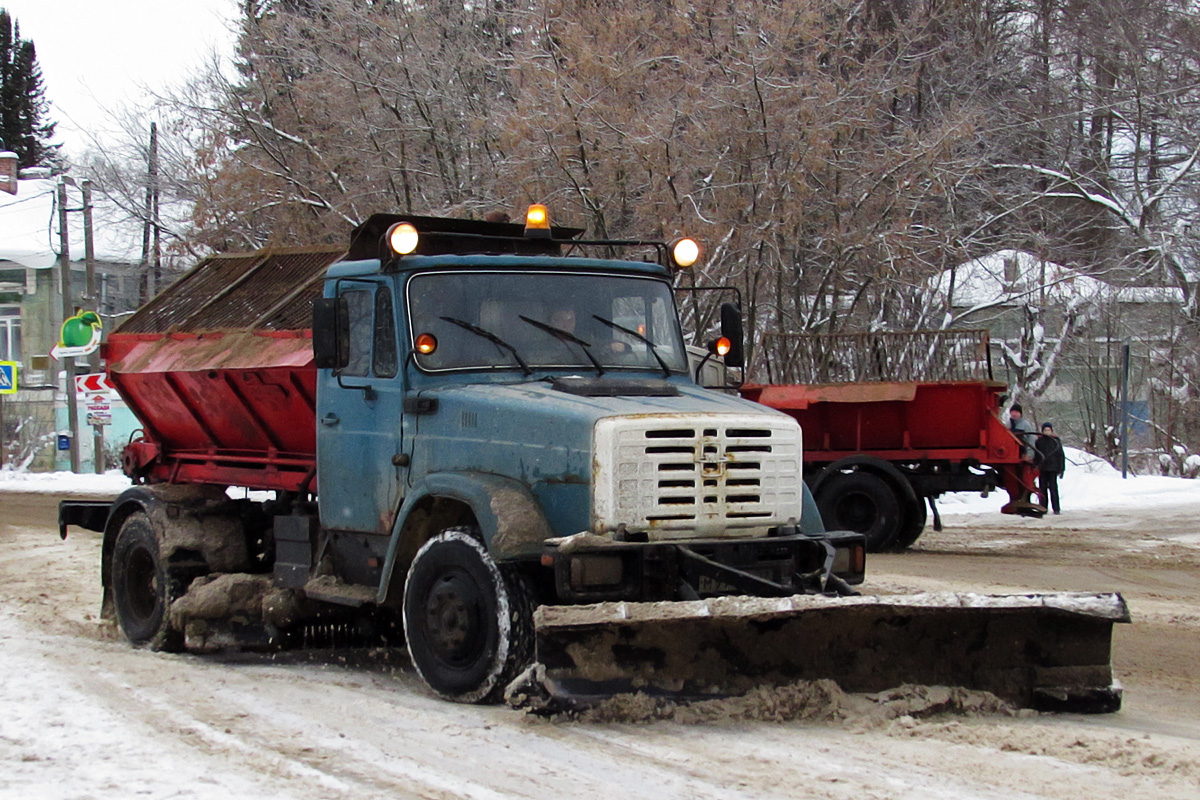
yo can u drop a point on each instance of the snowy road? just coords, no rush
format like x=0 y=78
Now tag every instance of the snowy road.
x=84 y=716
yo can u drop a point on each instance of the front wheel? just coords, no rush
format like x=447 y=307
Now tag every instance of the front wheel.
x=142 y=586
x=468 y=621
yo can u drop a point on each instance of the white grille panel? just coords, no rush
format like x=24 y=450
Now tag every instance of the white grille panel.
x=682 y=475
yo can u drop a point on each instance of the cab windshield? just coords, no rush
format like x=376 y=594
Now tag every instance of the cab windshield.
x=527 y=321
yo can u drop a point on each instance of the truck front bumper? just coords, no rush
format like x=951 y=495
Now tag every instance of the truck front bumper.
x=655 y=571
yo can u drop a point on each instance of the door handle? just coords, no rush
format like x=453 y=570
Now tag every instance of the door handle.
x=330 y=419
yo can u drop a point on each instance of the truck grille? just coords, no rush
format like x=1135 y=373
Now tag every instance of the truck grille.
x=683 y=475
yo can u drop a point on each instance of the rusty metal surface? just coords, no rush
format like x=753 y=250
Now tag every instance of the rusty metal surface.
x=191 y=353
x=800 y=396
x=264 y=290
x=939 y=355
x=1021 y=648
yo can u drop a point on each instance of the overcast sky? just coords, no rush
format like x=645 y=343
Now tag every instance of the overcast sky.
x=99 y=54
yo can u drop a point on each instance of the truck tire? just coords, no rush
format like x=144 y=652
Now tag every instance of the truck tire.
x=468 y=622
x=915 y=517
x=861 y=502
x=143 y=587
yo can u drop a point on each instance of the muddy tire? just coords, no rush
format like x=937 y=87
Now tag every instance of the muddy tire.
x=861 y=502
x=468 y=622
x=142 y=587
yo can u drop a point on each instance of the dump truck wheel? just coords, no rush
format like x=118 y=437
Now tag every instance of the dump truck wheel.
x=861 y=502
x=915 y=517
x=468 y=622
x=142 y=586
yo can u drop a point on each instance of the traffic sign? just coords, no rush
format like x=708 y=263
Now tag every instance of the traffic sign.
x=93 y=383
x=8 y=377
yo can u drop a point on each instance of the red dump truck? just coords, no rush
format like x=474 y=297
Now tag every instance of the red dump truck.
x=893 y=420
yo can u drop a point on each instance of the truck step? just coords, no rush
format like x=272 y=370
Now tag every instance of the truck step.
x=330 y=590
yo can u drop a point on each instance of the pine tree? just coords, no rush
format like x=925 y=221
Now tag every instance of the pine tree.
x=24 y=127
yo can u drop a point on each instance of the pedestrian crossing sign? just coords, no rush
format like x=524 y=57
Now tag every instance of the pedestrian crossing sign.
x=8 y=377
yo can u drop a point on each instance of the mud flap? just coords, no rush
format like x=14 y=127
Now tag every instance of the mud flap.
x=1045 y=651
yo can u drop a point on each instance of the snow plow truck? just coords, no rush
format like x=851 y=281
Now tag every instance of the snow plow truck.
x=487 y=437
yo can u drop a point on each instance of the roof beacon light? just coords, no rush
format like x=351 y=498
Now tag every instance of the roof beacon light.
x=402 y=238
x=685 y=252
x=537 y=221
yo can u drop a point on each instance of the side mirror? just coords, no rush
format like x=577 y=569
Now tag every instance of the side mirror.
x=731 y=329
x=331 y=333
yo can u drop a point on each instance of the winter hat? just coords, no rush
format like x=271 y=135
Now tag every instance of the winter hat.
x=1046 y=425
x=1017 y=407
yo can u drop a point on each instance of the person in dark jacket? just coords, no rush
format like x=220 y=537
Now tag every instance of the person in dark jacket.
x=1054 y=463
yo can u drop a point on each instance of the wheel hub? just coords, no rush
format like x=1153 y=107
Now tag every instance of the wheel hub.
x=857 y=512
x=452 y=618
x=141 y=583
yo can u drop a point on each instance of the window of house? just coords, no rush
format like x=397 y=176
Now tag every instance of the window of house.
x=10 y=333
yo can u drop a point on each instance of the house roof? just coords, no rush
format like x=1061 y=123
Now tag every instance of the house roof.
x=1011 y=277
x=29 y=233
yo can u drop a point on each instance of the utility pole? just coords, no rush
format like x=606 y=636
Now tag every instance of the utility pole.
x=1125 y=410
x=151 y=244
x=154 y=208
x=68 y=310
x=89 y=262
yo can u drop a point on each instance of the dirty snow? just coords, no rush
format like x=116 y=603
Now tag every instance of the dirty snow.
x=82 y=715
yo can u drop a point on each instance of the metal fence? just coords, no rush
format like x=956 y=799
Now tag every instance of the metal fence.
x=27 y=432
x=950 y=355
x=271 y=289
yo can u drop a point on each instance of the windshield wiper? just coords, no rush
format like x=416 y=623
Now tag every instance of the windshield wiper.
x=653 y=348
x=491 y=337
x=566 y=336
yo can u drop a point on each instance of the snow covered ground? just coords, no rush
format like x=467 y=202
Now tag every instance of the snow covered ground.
x=1091 y=483
x=83 y=715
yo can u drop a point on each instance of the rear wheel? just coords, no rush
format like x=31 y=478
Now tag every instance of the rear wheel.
x=861 y=502
x=143 y=587
x=915 y=517
x=468 y=621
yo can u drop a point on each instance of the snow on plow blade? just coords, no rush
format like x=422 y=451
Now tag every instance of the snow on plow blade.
x=1045 y=651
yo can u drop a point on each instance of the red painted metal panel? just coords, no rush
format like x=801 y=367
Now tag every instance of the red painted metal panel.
x=915 y=421
x=219 y=370
x=243 y=399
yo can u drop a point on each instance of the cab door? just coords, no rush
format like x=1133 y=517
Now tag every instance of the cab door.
x=359 y=440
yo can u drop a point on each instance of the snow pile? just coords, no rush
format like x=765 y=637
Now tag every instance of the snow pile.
x=110 y=484
x=1091 y=482
x=808 y=701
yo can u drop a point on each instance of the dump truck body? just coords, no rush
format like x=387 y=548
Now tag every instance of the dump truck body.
x=893 y=420
x=454 y=435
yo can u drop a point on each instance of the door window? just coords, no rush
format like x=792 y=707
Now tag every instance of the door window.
x=359 y=305
x=384 y=362
x=372 y=344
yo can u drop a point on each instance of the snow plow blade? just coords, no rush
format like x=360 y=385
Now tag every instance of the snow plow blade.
x=1050 y=652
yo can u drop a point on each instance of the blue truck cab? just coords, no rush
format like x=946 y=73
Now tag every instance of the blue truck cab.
x=503 y=423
